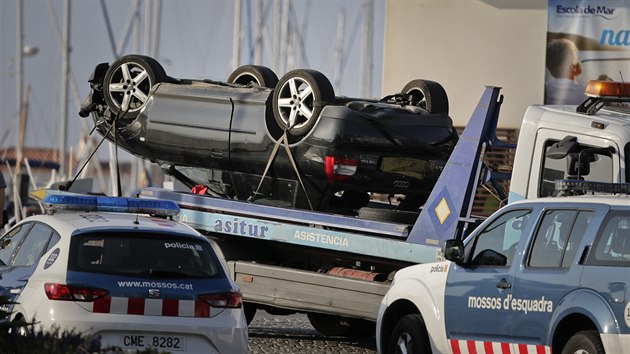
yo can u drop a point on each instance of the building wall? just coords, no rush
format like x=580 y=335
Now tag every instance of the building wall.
x=466 y=45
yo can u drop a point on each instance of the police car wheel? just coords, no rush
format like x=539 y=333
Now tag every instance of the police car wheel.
x=584 y=342
x=19 y=326
x=409 y=337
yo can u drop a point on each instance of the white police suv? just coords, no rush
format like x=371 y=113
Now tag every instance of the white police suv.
x=102 y=265
x=539 y=276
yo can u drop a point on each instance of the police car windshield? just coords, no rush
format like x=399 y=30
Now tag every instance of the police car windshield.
x=143 y=255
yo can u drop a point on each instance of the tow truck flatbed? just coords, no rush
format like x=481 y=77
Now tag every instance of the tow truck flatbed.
x=299 y=227
x=336 y=268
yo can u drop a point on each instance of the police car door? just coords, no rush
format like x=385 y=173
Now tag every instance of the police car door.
x=550 y=270
x=476 y=292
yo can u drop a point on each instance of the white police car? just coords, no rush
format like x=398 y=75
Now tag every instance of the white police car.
x=135 y=280
x=539 y=276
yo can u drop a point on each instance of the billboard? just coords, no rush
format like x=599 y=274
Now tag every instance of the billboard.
x=586 y=40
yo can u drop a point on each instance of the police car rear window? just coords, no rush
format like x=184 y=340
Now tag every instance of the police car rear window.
x=143 y=255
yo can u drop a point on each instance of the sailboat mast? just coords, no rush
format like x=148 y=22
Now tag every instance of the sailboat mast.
x=236 y=35
x=65 y=59
x=19 y=47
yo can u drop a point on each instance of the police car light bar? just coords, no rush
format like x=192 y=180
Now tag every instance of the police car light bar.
x=53 y=200
x=577 y=187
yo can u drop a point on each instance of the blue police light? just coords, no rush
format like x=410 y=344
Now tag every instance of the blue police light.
x=57 y=200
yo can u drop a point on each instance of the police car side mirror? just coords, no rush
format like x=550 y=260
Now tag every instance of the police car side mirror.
x=454 y=251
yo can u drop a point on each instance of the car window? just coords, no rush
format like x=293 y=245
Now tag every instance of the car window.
x=575 y=238
x=558 y=236
x=496 y=244
x=597 y=167
x=53 y=241
x=10 y=242
x=612 y=246
x=33 y=246
x=143 y=255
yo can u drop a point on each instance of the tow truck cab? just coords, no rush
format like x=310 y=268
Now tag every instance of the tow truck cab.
x=555 y=140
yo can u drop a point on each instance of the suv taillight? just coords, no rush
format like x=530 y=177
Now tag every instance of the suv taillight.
x=340 y=168
x=232 y=300
x=73 y=293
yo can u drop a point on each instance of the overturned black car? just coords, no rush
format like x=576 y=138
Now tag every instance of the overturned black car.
x=256 y=137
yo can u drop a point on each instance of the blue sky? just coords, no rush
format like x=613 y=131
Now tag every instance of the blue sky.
x=195 y=42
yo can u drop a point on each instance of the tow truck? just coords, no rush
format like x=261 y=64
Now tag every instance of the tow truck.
x=337 y=268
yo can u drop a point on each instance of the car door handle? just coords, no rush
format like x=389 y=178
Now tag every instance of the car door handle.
x=503 y=284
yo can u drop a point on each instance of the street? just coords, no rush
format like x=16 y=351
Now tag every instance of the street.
x=294 y=334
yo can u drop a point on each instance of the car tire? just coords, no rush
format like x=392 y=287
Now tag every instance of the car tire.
x=128 y=82
x=388 y=215
x=254 y=75
x=361 y=328
x=250 y=311
x=428 y=95
x=409 y=336
x=19 y=326
x=299 y=98
x=584 y=342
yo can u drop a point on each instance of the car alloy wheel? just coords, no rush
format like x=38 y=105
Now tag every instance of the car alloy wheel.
x=404 y=343
x=128 y=82
x=299 y=98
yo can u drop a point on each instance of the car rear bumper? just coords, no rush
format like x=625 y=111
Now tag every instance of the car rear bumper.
x=224 y=332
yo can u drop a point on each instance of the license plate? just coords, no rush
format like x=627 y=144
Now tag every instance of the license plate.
x=158 y=341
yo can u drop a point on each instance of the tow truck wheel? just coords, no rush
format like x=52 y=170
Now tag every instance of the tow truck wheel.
x=250 y=311
x=329 y=325
x=299 y=98
x=409 y=337
x=427 y=94
x=254 y=75
x=128 y=82
x=584 y=342
x=338 y=326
